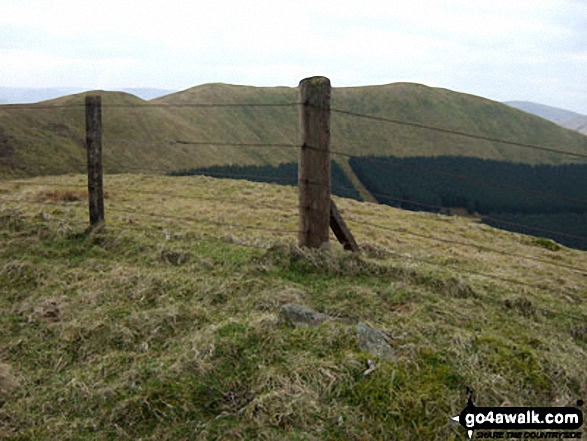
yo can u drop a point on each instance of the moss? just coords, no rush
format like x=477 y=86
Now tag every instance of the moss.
x=546 y=243
x=518 y=364
x=412 y=396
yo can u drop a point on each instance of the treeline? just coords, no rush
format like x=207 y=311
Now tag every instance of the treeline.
x=283 y=174
x=572 y=226
x=549 y=197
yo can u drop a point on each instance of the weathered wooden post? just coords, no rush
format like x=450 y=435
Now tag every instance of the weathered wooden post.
x=94 y=150
x=341 y=231
x=314 y=163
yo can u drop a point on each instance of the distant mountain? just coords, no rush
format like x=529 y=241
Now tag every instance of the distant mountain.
x=18 y=95
x=579 y=124
x=564 y=118
x=142 y=135
x=148 y=94
x=553 y=114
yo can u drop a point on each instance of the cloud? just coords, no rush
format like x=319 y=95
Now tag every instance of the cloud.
x=453 y=43
x=31 y=67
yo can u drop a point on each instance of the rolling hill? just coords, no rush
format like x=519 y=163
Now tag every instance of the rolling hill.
x=171 y=323
x=141 y=134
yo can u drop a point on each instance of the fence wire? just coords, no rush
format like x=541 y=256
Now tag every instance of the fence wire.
x=237 y=242
x=458 y=176
x=34 y=106
x=283 y=209
x=161 y=216
x=203 y=143
x=480 y=247
x=489 y=276
x=457 y=132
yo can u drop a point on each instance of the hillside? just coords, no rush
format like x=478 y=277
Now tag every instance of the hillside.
x=142 y=134
x=541 y=200
x=170 y=324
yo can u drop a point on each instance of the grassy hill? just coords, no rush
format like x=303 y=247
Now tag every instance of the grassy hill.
x=144 y=134
x=168 y=325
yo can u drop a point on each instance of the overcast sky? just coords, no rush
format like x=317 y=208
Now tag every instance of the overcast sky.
x=533 y=50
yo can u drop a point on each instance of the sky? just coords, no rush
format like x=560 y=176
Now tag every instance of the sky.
x=531 y=50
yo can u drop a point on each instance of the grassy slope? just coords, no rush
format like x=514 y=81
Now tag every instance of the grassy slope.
x=162 y=328
x=51 y=141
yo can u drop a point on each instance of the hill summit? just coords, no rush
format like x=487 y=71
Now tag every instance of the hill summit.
x=47 y=138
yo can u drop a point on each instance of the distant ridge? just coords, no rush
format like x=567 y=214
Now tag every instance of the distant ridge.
x=564 y=118
x=579 y=124
x=553 y=114
x=18 y=95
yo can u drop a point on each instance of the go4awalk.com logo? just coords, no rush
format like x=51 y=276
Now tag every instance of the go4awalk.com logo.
x=520 y=422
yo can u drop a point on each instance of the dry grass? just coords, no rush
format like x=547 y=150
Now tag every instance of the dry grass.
x=167 y=327
x=62 y=196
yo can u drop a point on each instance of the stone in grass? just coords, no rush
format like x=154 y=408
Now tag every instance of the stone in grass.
x=375 y=342
x=300 y=316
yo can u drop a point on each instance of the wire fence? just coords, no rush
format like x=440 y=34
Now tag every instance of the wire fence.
x=290 y=211
x=459 y=133
x=146 y=105
x=166 y=230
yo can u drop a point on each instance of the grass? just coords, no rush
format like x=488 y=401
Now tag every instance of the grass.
x=51 y=141
x=166 y=328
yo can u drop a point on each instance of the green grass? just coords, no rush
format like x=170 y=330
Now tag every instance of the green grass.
x=166 y=328
x=51 y=141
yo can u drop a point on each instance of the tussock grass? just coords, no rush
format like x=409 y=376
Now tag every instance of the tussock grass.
x=165 y=328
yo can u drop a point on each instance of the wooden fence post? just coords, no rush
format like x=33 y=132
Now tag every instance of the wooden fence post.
x=340 y=229
x=94 y=150
x=314 y=163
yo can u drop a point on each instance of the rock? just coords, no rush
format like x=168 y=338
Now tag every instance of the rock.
x=299 y=315
x=375 y=342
